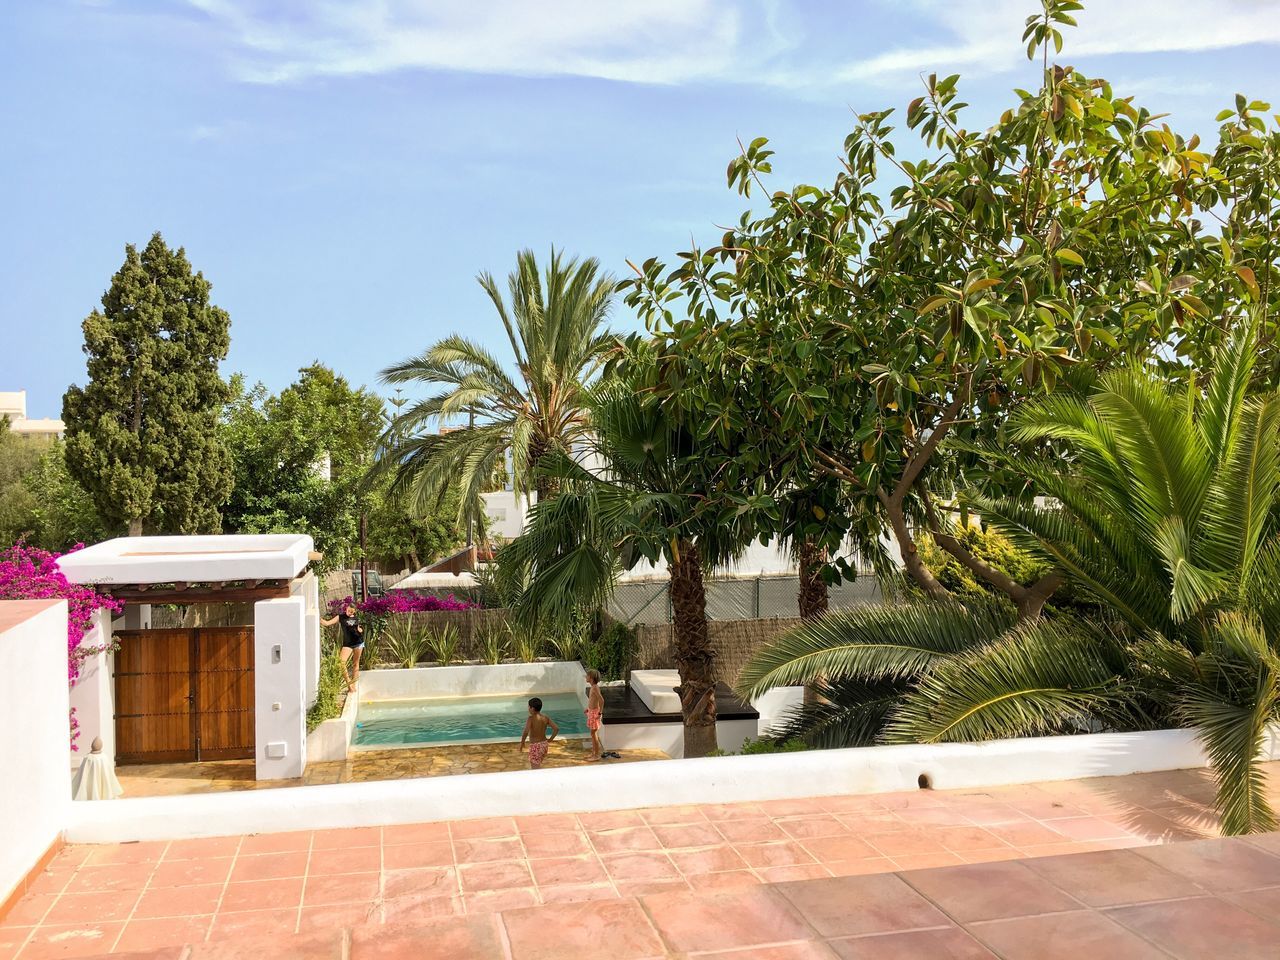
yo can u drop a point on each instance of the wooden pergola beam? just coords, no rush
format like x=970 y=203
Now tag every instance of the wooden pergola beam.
x=186 y=595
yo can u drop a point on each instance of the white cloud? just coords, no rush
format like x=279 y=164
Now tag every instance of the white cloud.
x=680 y=41
x=646 y=41
x=984 y=33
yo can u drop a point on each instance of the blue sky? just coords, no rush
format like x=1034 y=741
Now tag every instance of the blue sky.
x=341 y=169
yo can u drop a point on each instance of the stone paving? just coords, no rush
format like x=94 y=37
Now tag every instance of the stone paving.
x=675 y=880
x=170 y=779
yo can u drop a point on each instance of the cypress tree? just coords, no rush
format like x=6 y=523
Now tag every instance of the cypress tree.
x=142 y=435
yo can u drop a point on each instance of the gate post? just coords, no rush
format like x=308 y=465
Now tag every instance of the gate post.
x=279 y=685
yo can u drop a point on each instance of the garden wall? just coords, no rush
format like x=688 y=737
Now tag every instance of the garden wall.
x=734 y=641
x=35 y=789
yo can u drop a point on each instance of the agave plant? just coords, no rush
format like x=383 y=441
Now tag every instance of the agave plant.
x=443 y=644
x=1166 y=512
x=525 y=641
x=493 y=646
x=405 y=641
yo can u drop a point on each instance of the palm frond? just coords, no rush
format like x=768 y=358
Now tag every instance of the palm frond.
x=871 y=643
x=845 y=712
x=1042 y=677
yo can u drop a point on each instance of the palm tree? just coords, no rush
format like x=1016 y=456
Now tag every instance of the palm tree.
x=640 y=492
x=555 y=324
x=1166 y=512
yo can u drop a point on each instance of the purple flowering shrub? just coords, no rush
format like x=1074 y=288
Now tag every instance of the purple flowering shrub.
x=401 y=601
x=29 y=573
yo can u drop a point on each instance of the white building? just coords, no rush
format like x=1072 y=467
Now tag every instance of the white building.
x=13 y=405
x=244 y=690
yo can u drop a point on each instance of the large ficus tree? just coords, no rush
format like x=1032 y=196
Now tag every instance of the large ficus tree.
x=850 y=330
x=142 y=434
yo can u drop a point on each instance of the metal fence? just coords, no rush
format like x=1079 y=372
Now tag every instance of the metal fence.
x=737 y=598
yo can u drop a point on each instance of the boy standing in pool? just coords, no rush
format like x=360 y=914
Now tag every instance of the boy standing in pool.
x=594 y=712
x=535 y=731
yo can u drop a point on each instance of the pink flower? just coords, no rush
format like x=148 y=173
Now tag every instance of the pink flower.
x=28 y=573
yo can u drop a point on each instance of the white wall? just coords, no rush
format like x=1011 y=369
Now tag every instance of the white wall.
x=35 y=787
x=94 y=695
x=279 y=678
x=479 y=680
x=814 y=773
x=506 y=512
x=306 y=588
x=669 y=737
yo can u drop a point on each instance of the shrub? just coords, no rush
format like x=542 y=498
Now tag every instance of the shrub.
x=406 y=642
x=328 y=692
x=493 y=645
x=28 y=573
x=444 y=645
x=525 y=642
x=764 y=745
x=612 y=652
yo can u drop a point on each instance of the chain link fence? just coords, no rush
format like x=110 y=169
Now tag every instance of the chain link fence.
x=737 y=598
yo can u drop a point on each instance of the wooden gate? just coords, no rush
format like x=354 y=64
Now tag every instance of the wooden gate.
x=184 y=695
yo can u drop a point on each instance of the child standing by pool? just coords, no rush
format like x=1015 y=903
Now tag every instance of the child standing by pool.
x=535 y=731
x=594 y=712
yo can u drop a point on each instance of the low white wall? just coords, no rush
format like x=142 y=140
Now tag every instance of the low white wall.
x=331 y=740
x=35 y=788
x=279 y=685
x=473 y=681
x=669 y=737
x=633 y=785
x=94 y=696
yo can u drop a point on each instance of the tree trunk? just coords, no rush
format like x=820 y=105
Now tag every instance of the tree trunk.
x=1030 y=600
x=135 y=527
x=920 y=573
x=812 y=597
x=695 y=659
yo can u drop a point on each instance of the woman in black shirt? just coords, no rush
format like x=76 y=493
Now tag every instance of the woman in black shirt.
x=352 y=642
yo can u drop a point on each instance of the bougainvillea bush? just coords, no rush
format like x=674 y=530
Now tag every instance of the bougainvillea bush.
x=28 y=573
x=402 y=601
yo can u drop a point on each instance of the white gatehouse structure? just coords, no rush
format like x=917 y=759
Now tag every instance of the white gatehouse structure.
x=197 y=692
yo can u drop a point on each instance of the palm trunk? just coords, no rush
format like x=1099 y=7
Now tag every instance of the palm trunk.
x=813 y=589
x=812 y=597
x=695 y=659
x=543 y=486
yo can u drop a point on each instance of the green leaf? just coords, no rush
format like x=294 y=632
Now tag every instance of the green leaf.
x=1067 y=255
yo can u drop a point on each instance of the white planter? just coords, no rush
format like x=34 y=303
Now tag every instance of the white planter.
x=331 y=739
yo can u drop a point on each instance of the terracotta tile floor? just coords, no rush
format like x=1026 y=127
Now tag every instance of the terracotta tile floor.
x=820 y=877
x=171 y=779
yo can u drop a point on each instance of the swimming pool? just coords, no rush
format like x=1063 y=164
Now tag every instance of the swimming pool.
x=392 y=723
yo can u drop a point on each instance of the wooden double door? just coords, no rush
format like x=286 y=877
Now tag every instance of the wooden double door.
x=184 y=695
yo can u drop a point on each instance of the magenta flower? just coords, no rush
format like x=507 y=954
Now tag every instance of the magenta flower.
x=29 y=573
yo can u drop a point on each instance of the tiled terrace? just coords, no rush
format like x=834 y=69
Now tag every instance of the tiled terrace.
x=921 y=874
x=172 y=779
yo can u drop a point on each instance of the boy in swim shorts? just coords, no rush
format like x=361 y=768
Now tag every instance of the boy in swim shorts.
x=535 y=731
x=594 y=712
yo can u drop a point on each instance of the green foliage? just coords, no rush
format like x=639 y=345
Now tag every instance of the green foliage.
x=281 y=445
x=612 y=652
x=525 y=643
x=493 y=644
x=764 y=745
x=555 y=326
x=39 y=500
x=406 y=641
x=443 y=644
x=991 y=547
x=142 y=434
x=845 y=329
x=1165 y=508
x=328 y=692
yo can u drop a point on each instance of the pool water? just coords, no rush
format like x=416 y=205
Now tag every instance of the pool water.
x=389 y=723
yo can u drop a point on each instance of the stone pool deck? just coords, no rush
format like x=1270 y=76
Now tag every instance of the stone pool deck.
x=1035 y=871
x=173 y=779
